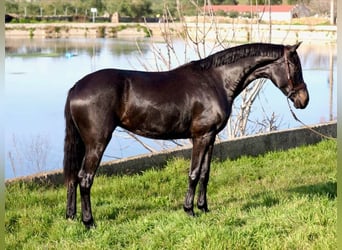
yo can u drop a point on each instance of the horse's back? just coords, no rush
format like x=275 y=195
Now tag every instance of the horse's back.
x=117 y=79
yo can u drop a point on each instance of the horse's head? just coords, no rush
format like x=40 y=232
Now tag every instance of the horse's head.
x=287 y=75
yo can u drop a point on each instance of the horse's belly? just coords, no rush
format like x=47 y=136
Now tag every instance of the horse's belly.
x=158 y=123
x=159 y=131
x=165 y=135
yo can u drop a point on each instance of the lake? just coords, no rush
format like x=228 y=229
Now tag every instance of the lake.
x=39 y=73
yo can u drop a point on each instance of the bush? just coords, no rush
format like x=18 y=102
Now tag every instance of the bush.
x=233 y=14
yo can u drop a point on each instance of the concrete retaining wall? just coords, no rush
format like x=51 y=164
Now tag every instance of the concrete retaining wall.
x=232 y=149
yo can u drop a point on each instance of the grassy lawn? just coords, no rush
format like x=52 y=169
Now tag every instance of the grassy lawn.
x=281 y=200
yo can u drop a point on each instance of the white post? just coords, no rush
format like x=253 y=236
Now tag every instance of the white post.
x=93 y=10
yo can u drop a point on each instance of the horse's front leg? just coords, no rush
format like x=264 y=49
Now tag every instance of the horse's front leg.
x=202 y=202
x=199 y=151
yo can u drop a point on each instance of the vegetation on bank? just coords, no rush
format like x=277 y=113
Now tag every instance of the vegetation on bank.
x=280 y=200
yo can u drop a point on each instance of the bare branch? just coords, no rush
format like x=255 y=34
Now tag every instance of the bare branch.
x=135 y=137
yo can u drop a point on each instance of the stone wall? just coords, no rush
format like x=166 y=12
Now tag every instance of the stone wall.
x=227 y=31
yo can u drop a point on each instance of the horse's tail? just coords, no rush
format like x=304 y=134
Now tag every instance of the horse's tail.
x=73 y=146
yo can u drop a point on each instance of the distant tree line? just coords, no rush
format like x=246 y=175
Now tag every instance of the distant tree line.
x=132 y=8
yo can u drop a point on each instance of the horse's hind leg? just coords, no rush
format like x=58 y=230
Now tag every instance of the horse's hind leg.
x=71 y=200
x=96 y=134
x=93 y=155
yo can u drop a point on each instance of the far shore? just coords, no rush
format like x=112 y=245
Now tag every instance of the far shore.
x=243 y=32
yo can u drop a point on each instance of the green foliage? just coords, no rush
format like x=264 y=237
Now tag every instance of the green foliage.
x=221 y=13
x=11 y=7
x=136 y=8
x=226 y=2
x=266 y=2
x=233 y=14
x=98 y=4
x=281 y=200
x=101 y=31
x=33 y=9
x=217 y=2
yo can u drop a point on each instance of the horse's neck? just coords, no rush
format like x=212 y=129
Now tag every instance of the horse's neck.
x=235 y=81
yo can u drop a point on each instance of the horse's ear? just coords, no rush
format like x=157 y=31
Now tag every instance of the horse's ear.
x=293 y=48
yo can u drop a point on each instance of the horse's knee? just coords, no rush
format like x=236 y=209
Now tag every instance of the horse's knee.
x=194 y=175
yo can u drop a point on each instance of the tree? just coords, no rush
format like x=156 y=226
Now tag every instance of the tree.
x=11 y=7
x=33 y=9
x=97 y=4
x=136 y=8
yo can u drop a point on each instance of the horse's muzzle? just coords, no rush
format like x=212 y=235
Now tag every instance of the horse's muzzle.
x=300 y=98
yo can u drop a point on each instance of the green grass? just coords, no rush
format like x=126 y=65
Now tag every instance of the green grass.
x=281 y=200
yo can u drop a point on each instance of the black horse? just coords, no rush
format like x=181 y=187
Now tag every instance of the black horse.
x=192 y=101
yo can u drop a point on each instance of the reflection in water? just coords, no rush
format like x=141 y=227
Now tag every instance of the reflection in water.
x=39 y=74
x=26 y=48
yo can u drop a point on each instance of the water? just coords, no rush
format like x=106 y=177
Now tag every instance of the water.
x=38 y=74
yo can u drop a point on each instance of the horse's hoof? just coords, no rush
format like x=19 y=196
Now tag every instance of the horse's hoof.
x=70 y=216
x=189 y=211
x=89 y=227
x=89 y=224
x=203 y=208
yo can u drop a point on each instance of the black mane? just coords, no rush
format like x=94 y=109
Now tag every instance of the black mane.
x=233 y=54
